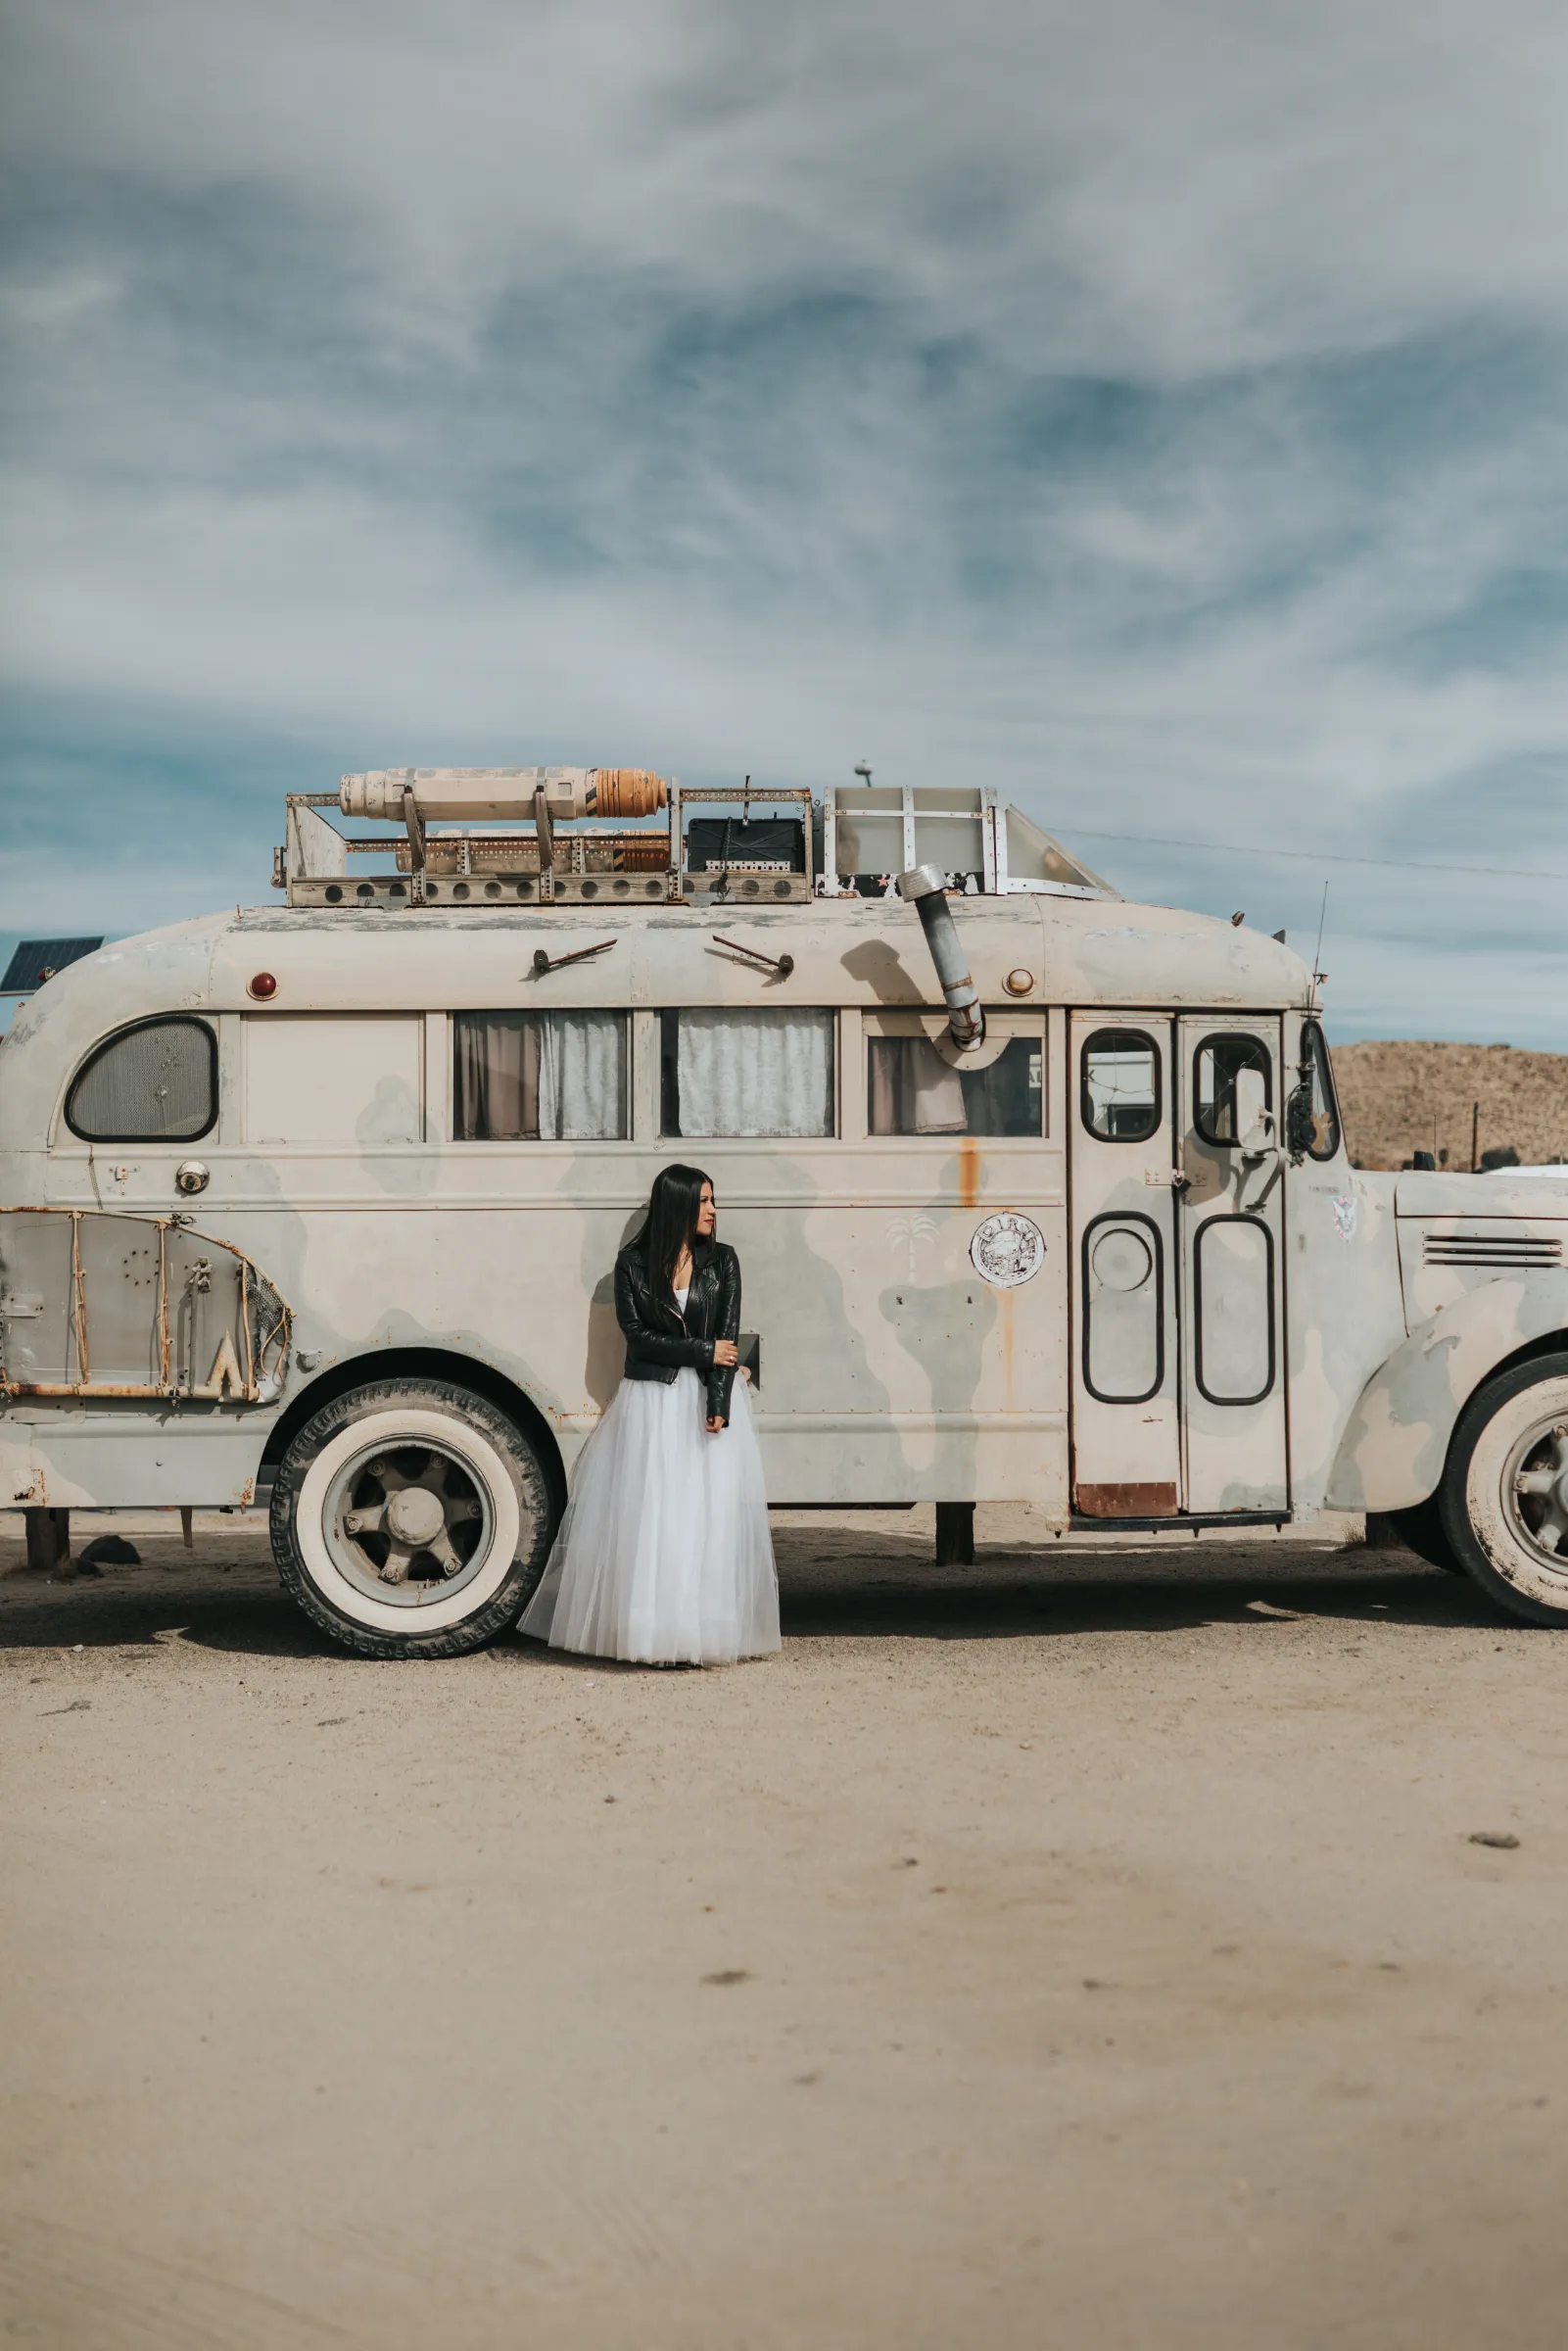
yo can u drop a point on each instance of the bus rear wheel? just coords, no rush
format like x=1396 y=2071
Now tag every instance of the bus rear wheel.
x=1506 y=1490
x=411 y=1519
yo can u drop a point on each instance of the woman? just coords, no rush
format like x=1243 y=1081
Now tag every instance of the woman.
x=664 y=1555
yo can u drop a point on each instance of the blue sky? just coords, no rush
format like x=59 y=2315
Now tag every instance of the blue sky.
x=1155 y=409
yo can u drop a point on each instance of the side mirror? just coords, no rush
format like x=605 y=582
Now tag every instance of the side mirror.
x=1301 y=1121
x=1255 y=1121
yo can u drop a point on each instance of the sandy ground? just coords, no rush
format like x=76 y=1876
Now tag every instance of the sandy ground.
x=1084 y=1950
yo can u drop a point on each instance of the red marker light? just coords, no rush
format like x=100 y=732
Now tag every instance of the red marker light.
x=263 y=985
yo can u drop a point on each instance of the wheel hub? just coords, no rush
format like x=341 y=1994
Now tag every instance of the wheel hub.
x=1539 y=1491
x=408 y=1522
x=415 y=1516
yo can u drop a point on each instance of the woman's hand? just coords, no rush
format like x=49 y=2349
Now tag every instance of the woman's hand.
x=726 y=1353
x=716 y=1426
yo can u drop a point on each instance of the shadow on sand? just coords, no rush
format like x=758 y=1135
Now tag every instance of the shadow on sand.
x=874 y=1588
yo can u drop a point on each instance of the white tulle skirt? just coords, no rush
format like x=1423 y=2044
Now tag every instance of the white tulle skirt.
x=664 y=1555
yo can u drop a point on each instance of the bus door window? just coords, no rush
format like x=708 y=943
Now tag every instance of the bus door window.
x=1222 y=1097
x=1120 y=1088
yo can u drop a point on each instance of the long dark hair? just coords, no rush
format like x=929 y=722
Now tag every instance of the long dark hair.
x=669 y=1225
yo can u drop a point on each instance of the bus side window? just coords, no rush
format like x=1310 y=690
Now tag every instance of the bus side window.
x=764 y=1072
x=1120 y=1092
x=1217 y=1066
x=540 y=1077
x=155 y=1082
x=911 y=1089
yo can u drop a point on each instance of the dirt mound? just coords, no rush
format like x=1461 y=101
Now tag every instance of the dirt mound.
x=1392 y=1094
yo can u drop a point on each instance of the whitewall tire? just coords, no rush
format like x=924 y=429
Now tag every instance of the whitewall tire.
x=411 y=1519
x=1504 y=1496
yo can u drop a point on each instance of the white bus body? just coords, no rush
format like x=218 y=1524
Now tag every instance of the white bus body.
x=294 y=1200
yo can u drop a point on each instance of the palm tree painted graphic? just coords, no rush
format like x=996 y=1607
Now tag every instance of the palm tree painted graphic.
x=907 y=1232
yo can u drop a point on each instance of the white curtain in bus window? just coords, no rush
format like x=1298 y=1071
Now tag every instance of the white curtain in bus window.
x=354 y=1080
x=913 y=1089
x=754 y=1072
x=540 y=1077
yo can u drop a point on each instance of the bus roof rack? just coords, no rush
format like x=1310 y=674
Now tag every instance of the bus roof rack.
x=481 y=838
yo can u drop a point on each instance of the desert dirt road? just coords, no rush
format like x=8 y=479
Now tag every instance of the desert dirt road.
x=1083 y=1949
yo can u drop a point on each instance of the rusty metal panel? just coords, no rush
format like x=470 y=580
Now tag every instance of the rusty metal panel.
x=97 y=1304
x=1126 y=1501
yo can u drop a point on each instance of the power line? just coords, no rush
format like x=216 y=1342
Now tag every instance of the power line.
x=1391 y=865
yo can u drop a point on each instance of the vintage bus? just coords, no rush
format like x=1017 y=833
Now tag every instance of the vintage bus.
x=1041 y=1196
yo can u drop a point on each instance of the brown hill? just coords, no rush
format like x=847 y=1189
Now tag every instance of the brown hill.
x=1391 y=1095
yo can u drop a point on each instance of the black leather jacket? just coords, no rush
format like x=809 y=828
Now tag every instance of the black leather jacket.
x=660 y=1341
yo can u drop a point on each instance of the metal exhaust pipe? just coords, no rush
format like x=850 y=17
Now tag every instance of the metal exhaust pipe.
x=926 y=890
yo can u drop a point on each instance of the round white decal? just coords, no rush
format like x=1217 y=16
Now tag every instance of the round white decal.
x=1007 y=1250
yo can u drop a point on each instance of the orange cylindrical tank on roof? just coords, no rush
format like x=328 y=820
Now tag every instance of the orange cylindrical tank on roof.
x=502 y=795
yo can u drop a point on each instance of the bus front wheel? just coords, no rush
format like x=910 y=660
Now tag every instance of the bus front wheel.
x=1506 y=1490
x=411 y=1519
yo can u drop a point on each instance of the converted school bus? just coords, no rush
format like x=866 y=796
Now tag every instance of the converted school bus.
x=1040 y=1197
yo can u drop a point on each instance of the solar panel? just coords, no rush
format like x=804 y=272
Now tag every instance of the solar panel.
x=36 y=958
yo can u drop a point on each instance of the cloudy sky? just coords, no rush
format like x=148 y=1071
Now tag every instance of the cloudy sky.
x=1156 y=408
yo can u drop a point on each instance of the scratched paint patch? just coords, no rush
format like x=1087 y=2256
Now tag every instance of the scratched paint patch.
x=1345 y=1216
x=1007 y=1250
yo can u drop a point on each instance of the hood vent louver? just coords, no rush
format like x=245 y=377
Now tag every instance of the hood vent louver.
x=1498 y=1252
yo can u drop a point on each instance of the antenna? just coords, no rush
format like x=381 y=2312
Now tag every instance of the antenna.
x=1317 y=951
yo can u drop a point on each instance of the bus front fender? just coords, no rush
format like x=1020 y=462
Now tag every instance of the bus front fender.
x=1396 y=1442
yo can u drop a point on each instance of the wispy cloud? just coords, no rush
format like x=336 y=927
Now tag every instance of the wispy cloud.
x=1157 y=408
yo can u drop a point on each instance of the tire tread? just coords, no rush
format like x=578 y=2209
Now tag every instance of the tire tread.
x=503 y=1609
x=1451 y=1494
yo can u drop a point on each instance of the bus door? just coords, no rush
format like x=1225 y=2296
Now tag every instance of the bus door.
x=1126 y=1245
x=1231 y=1226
